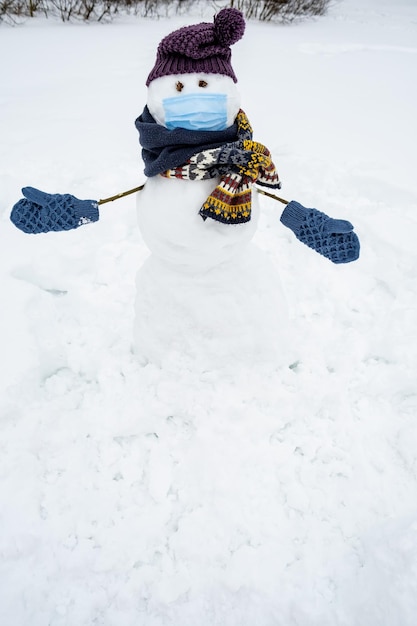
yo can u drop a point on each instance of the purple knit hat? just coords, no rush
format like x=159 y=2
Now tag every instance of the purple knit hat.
x=200 y=48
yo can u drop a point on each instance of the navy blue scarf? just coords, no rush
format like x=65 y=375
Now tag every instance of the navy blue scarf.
x=164 y=149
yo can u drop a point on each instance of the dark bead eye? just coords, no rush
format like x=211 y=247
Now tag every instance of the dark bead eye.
x=202 y=83
x=179 y=86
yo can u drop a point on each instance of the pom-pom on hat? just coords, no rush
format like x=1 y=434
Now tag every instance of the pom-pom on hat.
x=203 y=47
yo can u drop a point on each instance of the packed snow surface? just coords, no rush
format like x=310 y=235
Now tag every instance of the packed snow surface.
x=244 y=494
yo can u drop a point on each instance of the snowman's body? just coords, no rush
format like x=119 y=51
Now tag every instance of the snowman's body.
x=173 y=230
x=206 y=293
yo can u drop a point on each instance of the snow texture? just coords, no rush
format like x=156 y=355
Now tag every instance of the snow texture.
x=141 y=494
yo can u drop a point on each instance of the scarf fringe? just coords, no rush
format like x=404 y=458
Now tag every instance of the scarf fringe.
x=230 y=202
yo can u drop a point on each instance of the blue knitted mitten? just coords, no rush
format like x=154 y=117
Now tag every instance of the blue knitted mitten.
x=334 y=239
x=40 y=212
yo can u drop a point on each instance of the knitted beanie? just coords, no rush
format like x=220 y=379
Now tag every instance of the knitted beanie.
x=201 y=48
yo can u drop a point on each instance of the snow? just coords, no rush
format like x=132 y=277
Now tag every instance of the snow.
x=138 y=494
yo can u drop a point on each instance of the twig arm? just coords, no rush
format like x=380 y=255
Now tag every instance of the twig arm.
x=120 y=195
x=271 y=195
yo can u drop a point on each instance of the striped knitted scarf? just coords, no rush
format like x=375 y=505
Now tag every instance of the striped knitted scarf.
x=239 y=164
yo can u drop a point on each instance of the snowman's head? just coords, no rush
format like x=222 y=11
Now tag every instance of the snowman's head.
x=192 y=84
x=194 y=101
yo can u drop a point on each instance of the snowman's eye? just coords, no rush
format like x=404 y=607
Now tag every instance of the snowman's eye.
x=179 y=86
x=202 y=83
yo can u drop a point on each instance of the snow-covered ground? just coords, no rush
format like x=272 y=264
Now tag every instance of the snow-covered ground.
x=134 y=495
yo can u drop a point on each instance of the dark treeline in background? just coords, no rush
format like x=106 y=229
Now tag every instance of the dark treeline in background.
x=12 y=11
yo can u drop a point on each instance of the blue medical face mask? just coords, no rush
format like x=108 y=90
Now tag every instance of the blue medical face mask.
x=195 y=111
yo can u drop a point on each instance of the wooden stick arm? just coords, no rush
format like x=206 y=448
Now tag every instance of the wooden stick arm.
x=121 y=195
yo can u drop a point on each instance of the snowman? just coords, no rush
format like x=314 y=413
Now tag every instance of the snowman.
x=206 y=293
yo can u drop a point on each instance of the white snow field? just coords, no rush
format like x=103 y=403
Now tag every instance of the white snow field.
x=133 y=494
